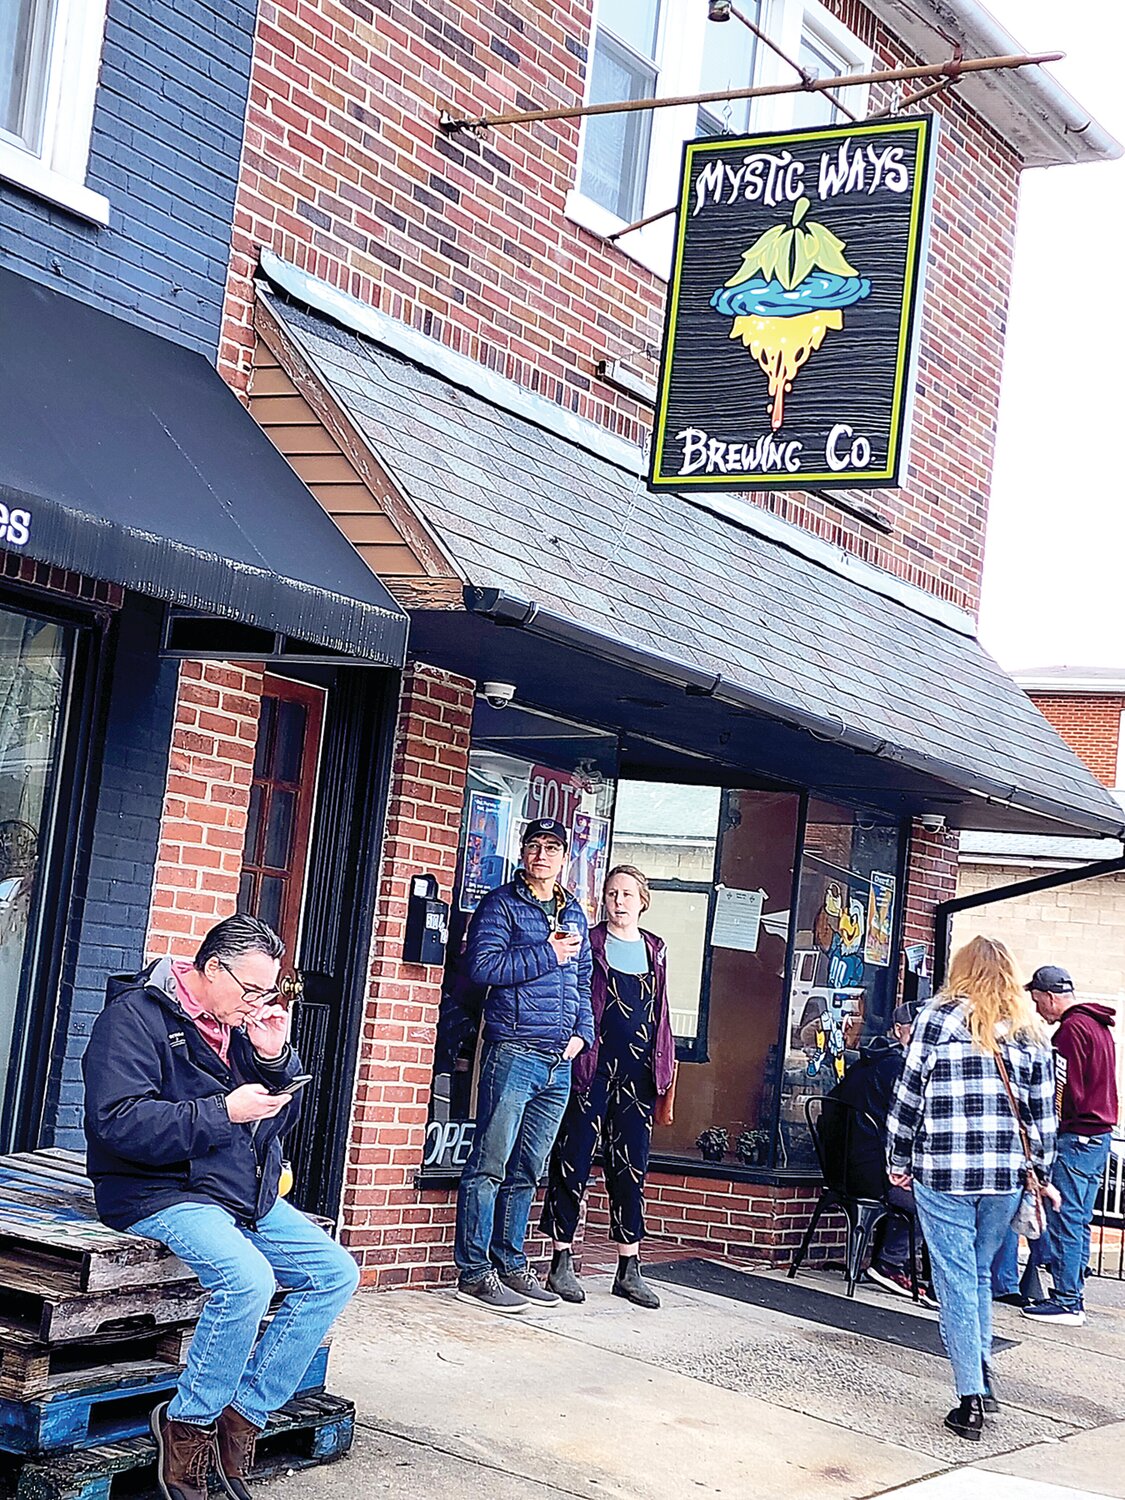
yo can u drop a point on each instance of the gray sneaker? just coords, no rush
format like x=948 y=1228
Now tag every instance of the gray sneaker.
x=524 y=1284
x=488 y=1292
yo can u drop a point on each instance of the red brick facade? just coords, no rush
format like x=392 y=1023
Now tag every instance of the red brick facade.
x=346 y=175
x=210 y=768
x=1090 y=723
x=397 y=1234
x=466 y=240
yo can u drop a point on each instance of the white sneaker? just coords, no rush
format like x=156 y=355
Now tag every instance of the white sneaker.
x=1053 y=1312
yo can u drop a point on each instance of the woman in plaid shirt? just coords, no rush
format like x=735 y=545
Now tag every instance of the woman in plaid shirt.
x=951 y=1136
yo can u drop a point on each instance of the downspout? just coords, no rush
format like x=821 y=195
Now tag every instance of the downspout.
x=945 y=911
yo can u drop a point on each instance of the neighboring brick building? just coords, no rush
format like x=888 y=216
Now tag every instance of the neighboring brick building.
x=1080 y=925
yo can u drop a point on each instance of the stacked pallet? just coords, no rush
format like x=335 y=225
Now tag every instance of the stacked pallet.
x=93 y=1330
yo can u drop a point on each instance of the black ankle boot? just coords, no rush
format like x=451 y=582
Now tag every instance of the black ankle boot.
x=562 y=1278
x=967 y=1420
x=989 y=1400
x=631 y=1284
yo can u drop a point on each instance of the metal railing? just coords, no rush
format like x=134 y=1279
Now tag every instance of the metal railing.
x=1107 y=1235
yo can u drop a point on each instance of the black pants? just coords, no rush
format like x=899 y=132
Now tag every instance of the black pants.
x=620 y=1114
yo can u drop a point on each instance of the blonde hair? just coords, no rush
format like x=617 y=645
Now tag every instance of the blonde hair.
x=982 y=979
x=638 y=875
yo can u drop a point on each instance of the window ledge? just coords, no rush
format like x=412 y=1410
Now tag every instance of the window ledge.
x=31 y=174
x=601 y=222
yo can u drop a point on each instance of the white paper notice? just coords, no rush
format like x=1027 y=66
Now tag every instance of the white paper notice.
x=738 y=918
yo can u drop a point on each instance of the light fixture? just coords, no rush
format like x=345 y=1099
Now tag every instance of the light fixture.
x=718 y=10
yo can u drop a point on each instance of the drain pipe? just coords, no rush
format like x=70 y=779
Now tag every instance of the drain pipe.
x=945 y=911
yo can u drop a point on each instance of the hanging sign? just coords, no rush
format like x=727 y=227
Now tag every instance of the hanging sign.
x=792 y=307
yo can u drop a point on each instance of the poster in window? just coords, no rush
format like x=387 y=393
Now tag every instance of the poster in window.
x=589 y=853
x=486 y=842
x=880 y=920
x=790 y=330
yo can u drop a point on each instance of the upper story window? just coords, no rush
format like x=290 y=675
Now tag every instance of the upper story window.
x=50 y=51
x=630 y=163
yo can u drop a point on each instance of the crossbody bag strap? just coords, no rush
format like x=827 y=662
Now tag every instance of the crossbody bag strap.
x=1025 y=1140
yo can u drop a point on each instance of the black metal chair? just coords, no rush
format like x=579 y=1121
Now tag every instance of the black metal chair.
x=863 y=1212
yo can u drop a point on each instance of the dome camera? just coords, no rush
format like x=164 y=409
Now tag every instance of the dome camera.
x=497 y=694
x=932 y=822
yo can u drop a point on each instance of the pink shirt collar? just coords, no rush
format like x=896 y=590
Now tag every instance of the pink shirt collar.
x=214 y=1033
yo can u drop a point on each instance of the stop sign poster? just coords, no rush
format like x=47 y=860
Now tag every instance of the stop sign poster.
x=788 y=341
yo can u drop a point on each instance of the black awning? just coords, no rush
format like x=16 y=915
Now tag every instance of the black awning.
x=137 y=465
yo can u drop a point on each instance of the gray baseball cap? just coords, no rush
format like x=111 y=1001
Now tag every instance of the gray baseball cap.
x=1050 y=980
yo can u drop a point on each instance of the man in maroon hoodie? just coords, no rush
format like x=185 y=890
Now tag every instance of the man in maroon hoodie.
x=1086 y=1099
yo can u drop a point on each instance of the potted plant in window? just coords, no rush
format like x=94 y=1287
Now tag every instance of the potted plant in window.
x=713 y=1143
x=752 y=1147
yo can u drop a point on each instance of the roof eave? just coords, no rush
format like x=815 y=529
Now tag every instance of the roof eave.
x=1044 y=123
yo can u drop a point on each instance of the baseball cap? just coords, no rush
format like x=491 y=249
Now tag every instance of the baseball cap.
x=903 y=1016
x=1051 y=981
x=545 y=828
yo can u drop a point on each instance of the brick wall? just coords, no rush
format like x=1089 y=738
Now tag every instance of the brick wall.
x=397 y=1234
x=111 y=904
x=1090 y=723
x=165 y=148
x=931 y=877
x=346 y=175
x=210 y=769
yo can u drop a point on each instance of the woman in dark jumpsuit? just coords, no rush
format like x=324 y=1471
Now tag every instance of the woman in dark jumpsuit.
x=616 y=1083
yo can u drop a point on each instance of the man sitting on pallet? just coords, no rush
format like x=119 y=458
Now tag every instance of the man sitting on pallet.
x=185 y=1108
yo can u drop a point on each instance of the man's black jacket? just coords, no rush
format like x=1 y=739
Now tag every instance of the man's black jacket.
x=157 y=1130
x=867 y=1087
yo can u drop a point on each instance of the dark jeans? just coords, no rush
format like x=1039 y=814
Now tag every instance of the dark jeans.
x=1077 y=1174
x=520 y=1102
x=894 y=1252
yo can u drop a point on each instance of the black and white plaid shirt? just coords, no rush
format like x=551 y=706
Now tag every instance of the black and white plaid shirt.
x=950 y=1124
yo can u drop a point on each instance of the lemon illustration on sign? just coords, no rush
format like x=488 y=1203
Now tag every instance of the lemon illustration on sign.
x=789 y=291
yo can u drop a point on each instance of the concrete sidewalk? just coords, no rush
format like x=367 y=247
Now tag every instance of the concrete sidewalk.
x=708 y=1396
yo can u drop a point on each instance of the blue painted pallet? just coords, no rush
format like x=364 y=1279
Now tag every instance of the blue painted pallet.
x=311 y=1430
x=104 y=1411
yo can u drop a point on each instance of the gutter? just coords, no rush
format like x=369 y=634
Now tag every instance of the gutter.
x=1050 y=113
x=945 y=911
x=514 y=613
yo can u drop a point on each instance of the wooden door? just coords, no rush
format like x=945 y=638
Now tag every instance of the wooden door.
x=276 y=854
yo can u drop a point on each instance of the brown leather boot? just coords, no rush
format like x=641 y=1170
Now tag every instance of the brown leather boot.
x=184 y=1456
x=237 y=1438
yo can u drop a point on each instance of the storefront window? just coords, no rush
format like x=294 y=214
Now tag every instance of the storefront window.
x=34 y=672
x=721 y=865
x=522 y=766
x=843 y=973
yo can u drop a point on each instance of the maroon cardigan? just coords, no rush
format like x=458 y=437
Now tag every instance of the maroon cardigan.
x=664 y=1049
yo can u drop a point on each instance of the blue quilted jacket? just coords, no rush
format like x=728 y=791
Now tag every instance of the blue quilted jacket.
x=531 y=996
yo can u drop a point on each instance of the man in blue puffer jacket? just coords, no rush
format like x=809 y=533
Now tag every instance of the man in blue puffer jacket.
x=528 y=942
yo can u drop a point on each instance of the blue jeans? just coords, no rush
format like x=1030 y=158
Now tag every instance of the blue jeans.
x=521 y=1098
x=1077 y=1174
x=1006 y=1278
x=963 y=1232
x=242 y=1268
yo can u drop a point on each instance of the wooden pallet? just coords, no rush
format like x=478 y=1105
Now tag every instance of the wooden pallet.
x=50 y=1238
x=116 y=1407
x=310 y=1430
x=57 y=1319
x=30 y=1369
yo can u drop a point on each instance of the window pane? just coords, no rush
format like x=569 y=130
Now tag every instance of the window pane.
x=290 y=743
x=246 y=892
x=843 y=984
x=253 y=824
x=815 y=58
x=632 y=21
x=265 y=736
x=729 y=51
x=615 y=153
x=25 y=33
x=680 y=917
x=271 y=899
x=279 y=829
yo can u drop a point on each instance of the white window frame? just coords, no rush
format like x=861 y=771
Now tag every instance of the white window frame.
x=57 y=171
x=679 y=60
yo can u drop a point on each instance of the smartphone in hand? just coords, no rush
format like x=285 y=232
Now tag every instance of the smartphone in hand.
x=295 y=1085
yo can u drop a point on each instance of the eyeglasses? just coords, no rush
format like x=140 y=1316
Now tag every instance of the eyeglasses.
x=250 y=991
x=551 y=846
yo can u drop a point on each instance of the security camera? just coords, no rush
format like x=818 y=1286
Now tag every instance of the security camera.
x=497 y=694
x=932 y=822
